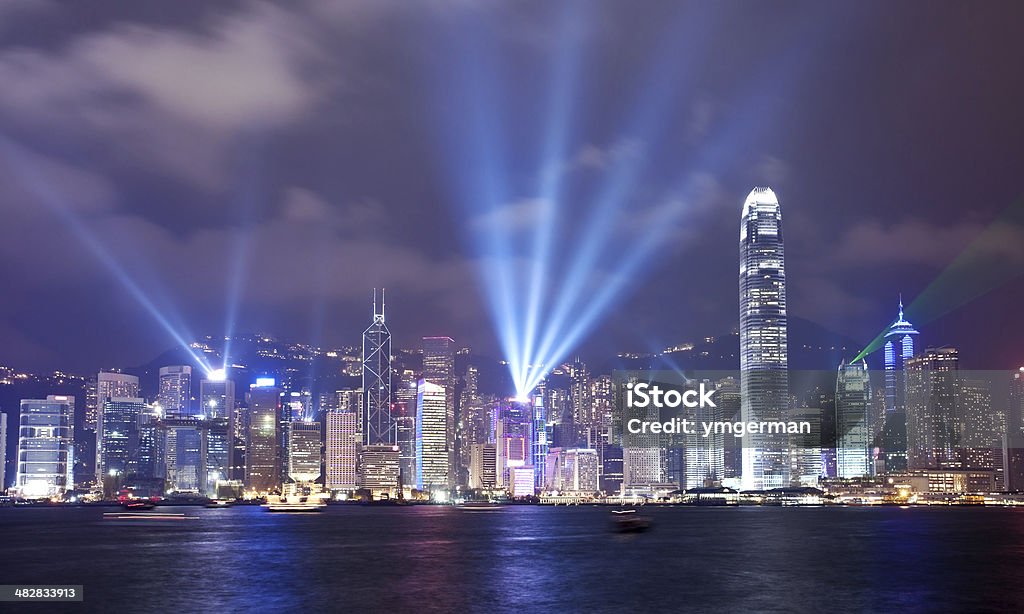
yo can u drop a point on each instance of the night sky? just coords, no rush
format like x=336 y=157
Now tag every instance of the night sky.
x=296 y=155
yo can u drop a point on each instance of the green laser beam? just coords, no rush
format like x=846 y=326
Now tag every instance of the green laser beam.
x=992 y=259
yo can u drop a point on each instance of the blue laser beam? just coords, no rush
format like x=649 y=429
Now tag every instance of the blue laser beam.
x=46 y=195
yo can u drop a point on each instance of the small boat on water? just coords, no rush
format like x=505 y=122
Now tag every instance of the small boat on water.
x=628 y=521
x=480 y=506
x=219 y=503
x=138 y=505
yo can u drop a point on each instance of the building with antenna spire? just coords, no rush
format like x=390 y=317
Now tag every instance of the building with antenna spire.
x=899 y=347
x=376 y=425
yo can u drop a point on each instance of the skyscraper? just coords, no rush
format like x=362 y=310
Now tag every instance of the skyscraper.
x=439 y=368
x=217 y=398
x=764 y=381
x=342 y=451
x=304 y=451
x=185 y=452
x=175 y=395
x=377 y=425
x=853 y=434
x=405 y=434
x=432 y=450
x=378 y=470
x=217 y=406
x=109 y=385
x=899 y=347
x=1014 y=447
x=263 y=439
x=513 y=426
x=483 y=466
x=933 y=424
x=45 y=437
x=120 y=437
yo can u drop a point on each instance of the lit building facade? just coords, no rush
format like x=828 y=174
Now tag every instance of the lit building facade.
x=378 y=470
x=439 y=369
x=175 y=393
x=432 y=450
x=46 y=432
x=853 y=433
x=304 y=451
x=376 y=426
x=483 y=466
x=263 y=439
x=764 y=381
x=109 y=385
x=342 y=451
x=898 y=349
x=405 y=434
x=933 y=426
x=119 y=438
x=185 y=450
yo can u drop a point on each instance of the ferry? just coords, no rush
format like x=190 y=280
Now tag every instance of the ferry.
x=480 y=506
x=292 y=500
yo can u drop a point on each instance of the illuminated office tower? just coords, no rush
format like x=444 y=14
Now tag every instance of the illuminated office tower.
x=1013 y=449
x=704 y=457
x=539 y=443
x=3 y=451
x=351 y=399
x=46 y=433
x=377 y=426
x=432 y=459
x=217 y=406
x=579 y=470
x=120 y=437
x=727 y=398
x=558 y=404
x=980 y=443
x=521 y=481
x=91 y=406
x=439 y=368
x=764 y=381
x=899 y=347
x=513 y=428
x=405 y=390
x=219 y=453
x=805 y=458
x=175 y=394
x=405 y=434
x=641 y=452
x=110 y=385
x=185 y=454
x=263 y=438
x=580 y=395
x=150 y=467
x=933 y=426
x=342 y=451
x=483 y=466
x=304 y=451
x=217 y=398
x=853 y=433
x=378 y=470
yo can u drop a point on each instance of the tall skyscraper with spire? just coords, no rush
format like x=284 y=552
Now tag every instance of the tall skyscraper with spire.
x=899 y=347
x=377 y=426
x=764 y=381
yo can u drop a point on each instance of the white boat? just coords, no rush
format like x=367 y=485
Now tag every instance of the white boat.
x=296 y=498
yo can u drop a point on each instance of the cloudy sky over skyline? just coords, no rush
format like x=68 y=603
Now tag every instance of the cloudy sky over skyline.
x=296 y=155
